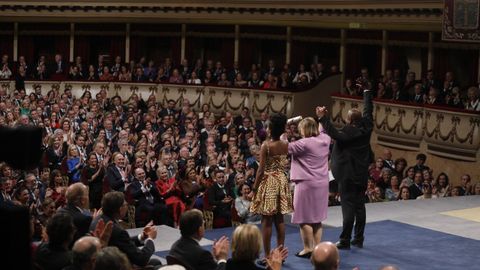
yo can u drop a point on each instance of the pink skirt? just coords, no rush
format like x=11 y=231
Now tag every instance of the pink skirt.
x=310 y=201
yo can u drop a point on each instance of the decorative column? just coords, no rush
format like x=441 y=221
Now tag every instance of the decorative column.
x=237 y=43
x=289 y=45
x=182 y=43
x=384 y=51
x=72 y=42
x=127 y=43
x=343 y=49
x=430 y=51
x=15 y=42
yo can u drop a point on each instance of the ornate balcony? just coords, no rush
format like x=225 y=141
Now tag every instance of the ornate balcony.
x=444 y=132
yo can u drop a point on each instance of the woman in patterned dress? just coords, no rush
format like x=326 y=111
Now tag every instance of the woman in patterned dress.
x=271 y=194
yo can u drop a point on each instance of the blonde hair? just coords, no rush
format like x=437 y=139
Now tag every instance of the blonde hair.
x=308 y=127
x=246 y=243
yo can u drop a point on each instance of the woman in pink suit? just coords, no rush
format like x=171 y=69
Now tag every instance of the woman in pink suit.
x=309 y=172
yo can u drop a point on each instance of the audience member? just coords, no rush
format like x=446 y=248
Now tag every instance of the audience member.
x=55 y=254
x=114 y=208
x=187 y=248
x=111 y=258
x=325 y=256
x=246 y=248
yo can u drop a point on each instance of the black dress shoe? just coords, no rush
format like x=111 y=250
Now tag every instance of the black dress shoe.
x=342 y=245
x=357 y=243
x=305 y=255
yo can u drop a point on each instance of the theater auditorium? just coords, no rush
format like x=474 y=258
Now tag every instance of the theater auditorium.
x=256 y=134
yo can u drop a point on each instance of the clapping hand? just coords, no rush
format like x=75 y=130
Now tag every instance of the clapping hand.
x=150 y=231
x=321 y=111
x=274 y=261
x=103 y=232
x=220 y=248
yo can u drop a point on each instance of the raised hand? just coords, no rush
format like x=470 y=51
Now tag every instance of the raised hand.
x=221 y=248
x=321 y=111
x=274 y=261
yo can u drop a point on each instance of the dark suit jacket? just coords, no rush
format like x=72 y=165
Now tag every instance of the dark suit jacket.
x=215 y=197
x=81 y=221
x=193 y=255
x=52 y=259
x=129 y=246
x=139 y=197
x=351 y=153
x=114 y=178
x=415 y=191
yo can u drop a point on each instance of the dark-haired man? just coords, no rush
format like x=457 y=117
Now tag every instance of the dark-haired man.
x=188 y=250
x=115 y=208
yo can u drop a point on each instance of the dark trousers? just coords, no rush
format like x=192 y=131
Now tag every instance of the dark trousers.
x=147 y=211
x=353 y=210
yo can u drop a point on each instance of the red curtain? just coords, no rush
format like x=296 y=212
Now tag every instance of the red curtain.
x=298 y=54
x=82 y=48
x=135 y=47
x=246 y=54
x=175 y=49
x=463 y=64
x=26 y=47
x=6 y=45
x=227 y=52
x=117 y=47
x=62 y=46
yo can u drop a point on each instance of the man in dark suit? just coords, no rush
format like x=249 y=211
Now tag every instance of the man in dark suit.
x=416 y=188
x=77 y=203
x=115 y=208
x=116 y=176
x=148 y=203
x=188 y=250
x=351 y=157
x=220 y=195
x=55 y=254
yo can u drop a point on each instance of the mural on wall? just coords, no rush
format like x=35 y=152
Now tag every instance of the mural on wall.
x=461 y=20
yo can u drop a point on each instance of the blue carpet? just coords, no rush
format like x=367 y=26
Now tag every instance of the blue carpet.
x=386 y=242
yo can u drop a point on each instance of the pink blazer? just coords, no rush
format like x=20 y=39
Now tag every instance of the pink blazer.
x=310 y=158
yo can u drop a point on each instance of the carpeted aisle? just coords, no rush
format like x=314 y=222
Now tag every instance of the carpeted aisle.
x=387 y=242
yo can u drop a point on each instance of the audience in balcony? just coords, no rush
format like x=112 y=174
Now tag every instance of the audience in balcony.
x=210 y=74
x=427 y=91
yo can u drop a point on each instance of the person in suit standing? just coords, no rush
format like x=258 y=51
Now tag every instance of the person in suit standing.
x=309 y=172
x=351 y=157
x=188 y=250
x=116 y=174
x=77 y=203
x=115 y=208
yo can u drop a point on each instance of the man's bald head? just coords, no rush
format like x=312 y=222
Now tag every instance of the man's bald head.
x=388 y=267
x=77 y=194
x=84 y=251
x=325 y=256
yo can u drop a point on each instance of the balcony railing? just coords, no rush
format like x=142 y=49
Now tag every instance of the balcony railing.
x=220 y=99
x=446 y=132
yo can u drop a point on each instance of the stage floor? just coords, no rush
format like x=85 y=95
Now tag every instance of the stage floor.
x=419 y=234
